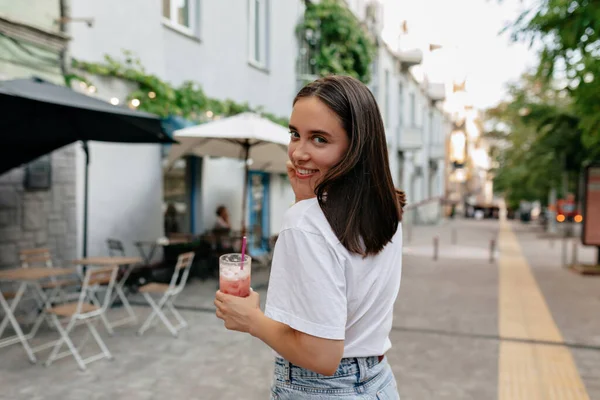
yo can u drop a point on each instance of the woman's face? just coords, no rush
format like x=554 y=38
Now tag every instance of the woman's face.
x=224 y=213
x=318 y=140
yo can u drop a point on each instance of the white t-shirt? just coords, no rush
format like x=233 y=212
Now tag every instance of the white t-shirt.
x=320 y=288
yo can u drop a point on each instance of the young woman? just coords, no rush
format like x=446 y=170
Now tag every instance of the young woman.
x=337 y=263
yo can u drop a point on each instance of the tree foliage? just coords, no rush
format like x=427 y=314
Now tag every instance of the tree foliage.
x=569 y=35
x=540 y=142
x=337 y=42
x=160 y=97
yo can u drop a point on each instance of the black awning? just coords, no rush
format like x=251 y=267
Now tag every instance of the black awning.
x=38 y=117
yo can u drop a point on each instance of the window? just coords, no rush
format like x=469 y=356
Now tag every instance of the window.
x=386 y=105
x=400 y=105
x=180 y=14
x=258 y=32
x=413 y=110
x=374 y=86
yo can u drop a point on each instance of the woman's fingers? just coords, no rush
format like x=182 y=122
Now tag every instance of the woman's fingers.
x=222 y=297
x=291 y=171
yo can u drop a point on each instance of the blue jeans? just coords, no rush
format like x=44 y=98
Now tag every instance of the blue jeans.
x=356 y=378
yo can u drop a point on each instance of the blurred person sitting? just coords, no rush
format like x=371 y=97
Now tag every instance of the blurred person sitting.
x=222 y=222
x=171 y=223
x=222 y=230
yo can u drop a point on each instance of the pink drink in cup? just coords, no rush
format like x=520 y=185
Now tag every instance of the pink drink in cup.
x=234 y=277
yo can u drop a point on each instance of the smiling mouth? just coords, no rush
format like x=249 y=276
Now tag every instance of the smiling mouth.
x=303 y=173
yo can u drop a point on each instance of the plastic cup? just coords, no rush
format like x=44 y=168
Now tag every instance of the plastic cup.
x=233 y=279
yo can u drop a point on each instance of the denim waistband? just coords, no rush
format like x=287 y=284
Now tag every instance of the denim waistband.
x=347 y=367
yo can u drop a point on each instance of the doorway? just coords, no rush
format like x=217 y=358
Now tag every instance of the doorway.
x=258 y=209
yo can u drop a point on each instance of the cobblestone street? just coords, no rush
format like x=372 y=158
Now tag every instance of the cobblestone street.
x=453 y=332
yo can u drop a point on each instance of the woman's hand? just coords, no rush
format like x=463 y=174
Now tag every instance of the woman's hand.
x=303 y=189
x=239 y=313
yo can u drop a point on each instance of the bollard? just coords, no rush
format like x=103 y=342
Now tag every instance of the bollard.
x=492 y=249
x=408 y=233
x=435 y=248
x=563 y=251
x=551 y=242
x=453 y=236
x=575 y=256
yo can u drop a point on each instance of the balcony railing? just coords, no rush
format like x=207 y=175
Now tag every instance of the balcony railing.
x=410 y=137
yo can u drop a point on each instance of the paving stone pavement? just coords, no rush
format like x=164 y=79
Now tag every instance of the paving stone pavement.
x=445 y=334
x=573 y=299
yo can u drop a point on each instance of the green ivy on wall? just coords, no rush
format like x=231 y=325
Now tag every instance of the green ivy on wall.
x=159 y=97
x=337 y=42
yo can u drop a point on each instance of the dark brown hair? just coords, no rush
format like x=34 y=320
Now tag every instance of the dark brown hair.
x=357 y=195
x=220 y=210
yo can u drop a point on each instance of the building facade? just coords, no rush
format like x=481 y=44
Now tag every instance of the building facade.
x=248 y=51
x=416 y=125
x=33 y=44
x=244 y=50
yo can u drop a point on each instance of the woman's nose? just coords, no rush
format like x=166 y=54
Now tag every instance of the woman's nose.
x=299 y=153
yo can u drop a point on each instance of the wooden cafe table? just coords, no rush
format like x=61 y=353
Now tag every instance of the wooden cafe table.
x=129 y=263
x=30 y=276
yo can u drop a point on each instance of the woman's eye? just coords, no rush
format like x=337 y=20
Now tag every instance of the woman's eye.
x=294 y=135
x=319 y=140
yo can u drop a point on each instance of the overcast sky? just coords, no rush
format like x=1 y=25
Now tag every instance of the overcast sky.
x=469 y=31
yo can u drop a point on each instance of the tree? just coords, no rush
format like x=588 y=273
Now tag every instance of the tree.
x=336 y=41
x=569 y=35
x=541 y=142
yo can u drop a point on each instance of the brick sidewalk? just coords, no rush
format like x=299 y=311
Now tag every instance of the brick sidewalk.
x=445 y=334
x=573 y=299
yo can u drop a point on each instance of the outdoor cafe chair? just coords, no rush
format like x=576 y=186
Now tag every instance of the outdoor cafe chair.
x=115 y=248
x=168 y=293
x=87 y=310
x=55 y=285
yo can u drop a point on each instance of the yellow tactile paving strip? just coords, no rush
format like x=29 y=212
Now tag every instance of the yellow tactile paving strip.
x=529 y=371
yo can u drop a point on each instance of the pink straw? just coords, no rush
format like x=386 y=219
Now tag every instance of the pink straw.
x=243 y=252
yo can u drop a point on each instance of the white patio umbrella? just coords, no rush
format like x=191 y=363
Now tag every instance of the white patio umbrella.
x=246 y=136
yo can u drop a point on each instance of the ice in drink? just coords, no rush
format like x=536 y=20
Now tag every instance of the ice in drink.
x=233 y=278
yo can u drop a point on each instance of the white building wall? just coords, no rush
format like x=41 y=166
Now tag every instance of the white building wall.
x=217 y=57
x=388 y=104
x=125 y=195
x=280 y=189
x=222 y=184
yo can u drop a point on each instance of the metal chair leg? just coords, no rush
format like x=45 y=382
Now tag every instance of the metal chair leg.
x=64 y=334
x=103 y=318
x=99 y=340
x=150 y=318
x=157 y=312
x=179 y=317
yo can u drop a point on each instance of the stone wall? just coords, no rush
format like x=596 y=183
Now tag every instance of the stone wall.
x=45 y=218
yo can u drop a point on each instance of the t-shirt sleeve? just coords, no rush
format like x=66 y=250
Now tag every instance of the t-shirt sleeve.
x=307 y=287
